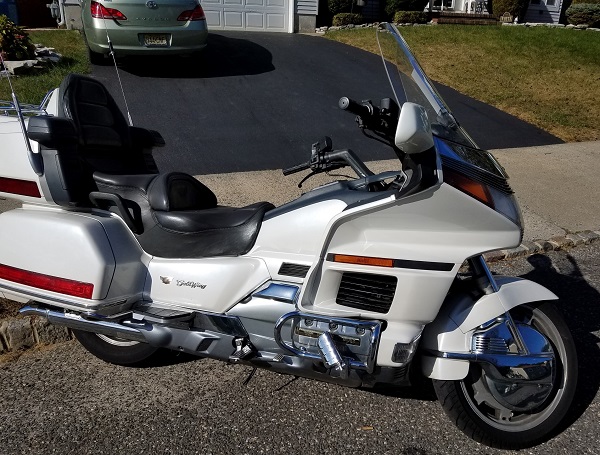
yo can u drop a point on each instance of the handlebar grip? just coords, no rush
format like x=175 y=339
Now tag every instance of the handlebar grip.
x=352 y=106
x=297 y=168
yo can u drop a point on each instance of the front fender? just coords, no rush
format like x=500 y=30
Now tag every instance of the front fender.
x=461 y=314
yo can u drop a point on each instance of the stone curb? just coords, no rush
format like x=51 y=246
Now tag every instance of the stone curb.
x=323 y=30
x=19 y=334
x=542 y=246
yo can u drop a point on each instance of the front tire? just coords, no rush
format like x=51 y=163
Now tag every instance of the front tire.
x=115 y=350
x=479 y=415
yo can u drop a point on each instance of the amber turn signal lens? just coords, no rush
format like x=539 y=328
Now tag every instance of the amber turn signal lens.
x=363 y=260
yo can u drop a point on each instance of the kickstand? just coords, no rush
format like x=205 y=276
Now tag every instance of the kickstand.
x=250 y=376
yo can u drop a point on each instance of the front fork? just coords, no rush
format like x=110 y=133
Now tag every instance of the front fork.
x=475 y=325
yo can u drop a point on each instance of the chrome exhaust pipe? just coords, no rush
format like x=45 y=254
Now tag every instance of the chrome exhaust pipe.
x=331 y=356
x=75 y=321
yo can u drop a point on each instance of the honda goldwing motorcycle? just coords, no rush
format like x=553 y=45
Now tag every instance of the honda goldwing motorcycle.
x=367 y=281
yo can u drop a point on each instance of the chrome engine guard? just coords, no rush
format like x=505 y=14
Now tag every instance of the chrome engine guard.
x=357 y=341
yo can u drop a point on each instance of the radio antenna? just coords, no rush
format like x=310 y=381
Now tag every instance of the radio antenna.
x=35 y=159
x=112 y=54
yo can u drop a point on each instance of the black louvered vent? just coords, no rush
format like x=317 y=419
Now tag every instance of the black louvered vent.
x=367 y=292
x=297 y=270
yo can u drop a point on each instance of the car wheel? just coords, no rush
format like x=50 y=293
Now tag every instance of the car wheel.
x=97 y=58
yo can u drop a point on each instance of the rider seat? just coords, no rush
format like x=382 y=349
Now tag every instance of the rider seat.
x=173 y=215
x=176 y=216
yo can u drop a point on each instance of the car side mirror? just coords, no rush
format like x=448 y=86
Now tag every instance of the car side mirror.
x=413 y=133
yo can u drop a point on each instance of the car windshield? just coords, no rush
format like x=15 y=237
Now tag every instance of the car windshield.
x=410 y=84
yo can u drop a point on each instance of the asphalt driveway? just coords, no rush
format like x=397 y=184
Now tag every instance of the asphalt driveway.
x=259 y=100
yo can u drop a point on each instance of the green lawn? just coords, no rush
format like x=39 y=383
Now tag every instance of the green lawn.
x=546 y=76
x=32 y=88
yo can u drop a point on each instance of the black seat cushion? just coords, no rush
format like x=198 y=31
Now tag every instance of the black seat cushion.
x=180 y=216
x=106 y=143
x=177 y=191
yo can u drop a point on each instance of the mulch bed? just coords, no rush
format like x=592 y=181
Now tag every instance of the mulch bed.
x=9 y=308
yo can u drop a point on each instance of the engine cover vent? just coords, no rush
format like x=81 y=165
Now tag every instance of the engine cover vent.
x=366 y=291
x=297 y=270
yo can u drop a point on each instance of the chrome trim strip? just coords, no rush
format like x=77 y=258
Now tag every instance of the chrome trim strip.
x=62 y=302
x=75 y=321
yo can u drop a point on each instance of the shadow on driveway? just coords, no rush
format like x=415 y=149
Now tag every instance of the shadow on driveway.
x=224 y=56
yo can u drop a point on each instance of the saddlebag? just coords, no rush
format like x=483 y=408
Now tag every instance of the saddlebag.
x=71 y=260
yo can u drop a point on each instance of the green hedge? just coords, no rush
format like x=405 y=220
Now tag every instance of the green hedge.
x=576 y=2
x=516 y=8
x=411 y=17
x=391 y=6
x=584 y=14
x=347 y=19
x=339 y=6
x=14 y=41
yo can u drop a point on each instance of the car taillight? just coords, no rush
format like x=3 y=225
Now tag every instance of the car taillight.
x=47 y=282
x=101 y=12
x=196 y=14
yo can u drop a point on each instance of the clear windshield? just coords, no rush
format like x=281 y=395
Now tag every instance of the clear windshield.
x=410 y=83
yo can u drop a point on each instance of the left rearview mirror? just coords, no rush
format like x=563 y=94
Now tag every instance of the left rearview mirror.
x=413 y=133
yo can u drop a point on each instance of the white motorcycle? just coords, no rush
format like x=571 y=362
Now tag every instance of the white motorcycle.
x=373 y=280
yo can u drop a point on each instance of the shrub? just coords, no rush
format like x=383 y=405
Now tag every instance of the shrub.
x=516 y=8
x=411 y=17
x=584 y=14
x=14 y=41
x=576 y=2
x=391 y=6
x=339 y=6
x=347 y=19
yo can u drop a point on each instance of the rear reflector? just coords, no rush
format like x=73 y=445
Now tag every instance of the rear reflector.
x=47 y=282
x=21 y=187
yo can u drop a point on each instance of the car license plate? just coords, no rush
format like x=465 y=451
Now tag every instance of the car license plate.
x=156 y=40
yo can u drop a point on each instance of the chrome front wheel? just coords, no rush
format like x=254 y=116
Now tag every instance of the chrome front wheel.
x=516 y=414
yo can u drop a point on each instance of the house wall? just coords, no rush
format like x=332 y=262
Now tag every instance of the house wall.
x=371 y=10
x=9 y=9
x=305 y=15
x=35 y=14
x=543 y=13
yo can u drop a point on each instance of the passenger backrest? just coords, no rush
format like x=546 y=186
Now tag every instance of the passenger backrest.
x=105 y=143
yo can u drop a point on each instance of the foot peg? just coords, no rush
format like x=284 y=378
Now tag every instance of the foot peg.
x=243 y=350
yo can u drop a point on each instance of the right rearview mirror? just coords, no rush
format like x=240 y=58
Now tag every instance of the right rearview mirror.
x=413 y=133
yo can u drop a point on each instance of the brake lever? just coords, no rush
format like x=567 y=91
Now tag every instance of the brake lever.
x=306 y=178
x=320 y=170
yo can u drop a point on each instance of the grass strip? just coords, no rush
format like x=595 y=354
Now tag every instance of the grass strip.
x=549 y=77
x=32 y=88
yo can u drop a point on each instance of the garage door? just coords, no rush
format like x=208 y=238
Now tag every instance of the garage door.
x=259 y=15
